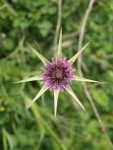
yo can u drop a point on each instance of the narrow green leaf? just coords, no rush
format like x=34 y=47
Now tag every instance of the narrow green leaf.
x=9 y=139
x=43 y=89
x=60 y=44
x=4 y=140
x=29 y=79
x=38 y=54
x=86 y=80
x=70 y=91
x=37 y=45
x=55 y=101
x=77 y=54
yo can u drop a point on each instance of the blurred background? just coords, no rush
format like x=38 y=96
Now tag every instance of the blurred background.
x=23 y=21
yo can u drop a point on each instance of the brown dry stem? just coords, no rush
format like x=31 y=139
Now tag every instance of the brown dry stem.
x=81 y=36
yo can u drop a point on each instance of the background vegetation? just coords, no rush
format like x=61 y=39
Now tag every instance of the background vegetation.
x=21 y=129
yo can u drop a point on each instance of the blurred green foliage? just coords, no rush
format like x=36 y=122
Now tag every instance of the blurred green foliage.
x=21 y=129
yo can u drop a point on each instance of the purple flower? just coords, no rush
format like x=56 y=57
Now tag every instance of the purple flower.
x=57 y=75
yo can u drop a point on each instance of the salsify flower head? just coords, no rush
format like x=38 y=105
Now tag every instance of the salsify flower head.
x=57 y=75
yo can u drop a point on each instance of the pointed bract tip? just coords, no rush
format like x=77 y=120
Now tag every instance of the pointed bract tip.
x=60 y=44
x=78 y=53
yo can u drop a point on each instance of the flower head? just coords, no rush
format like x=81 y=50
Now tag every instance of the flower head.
x=57 y=75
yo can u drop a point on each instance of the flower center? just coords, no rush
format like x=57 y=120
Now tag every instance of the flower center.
x=57 y=74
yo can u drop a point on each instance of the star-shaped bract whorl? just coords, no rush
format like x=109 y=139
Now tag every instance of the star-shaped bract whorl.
x=57 y=75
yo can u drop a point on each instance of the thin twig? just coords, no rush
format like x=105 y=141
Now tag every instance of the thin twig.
x=70 y=35
x=81 y=73
x=58 y=25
